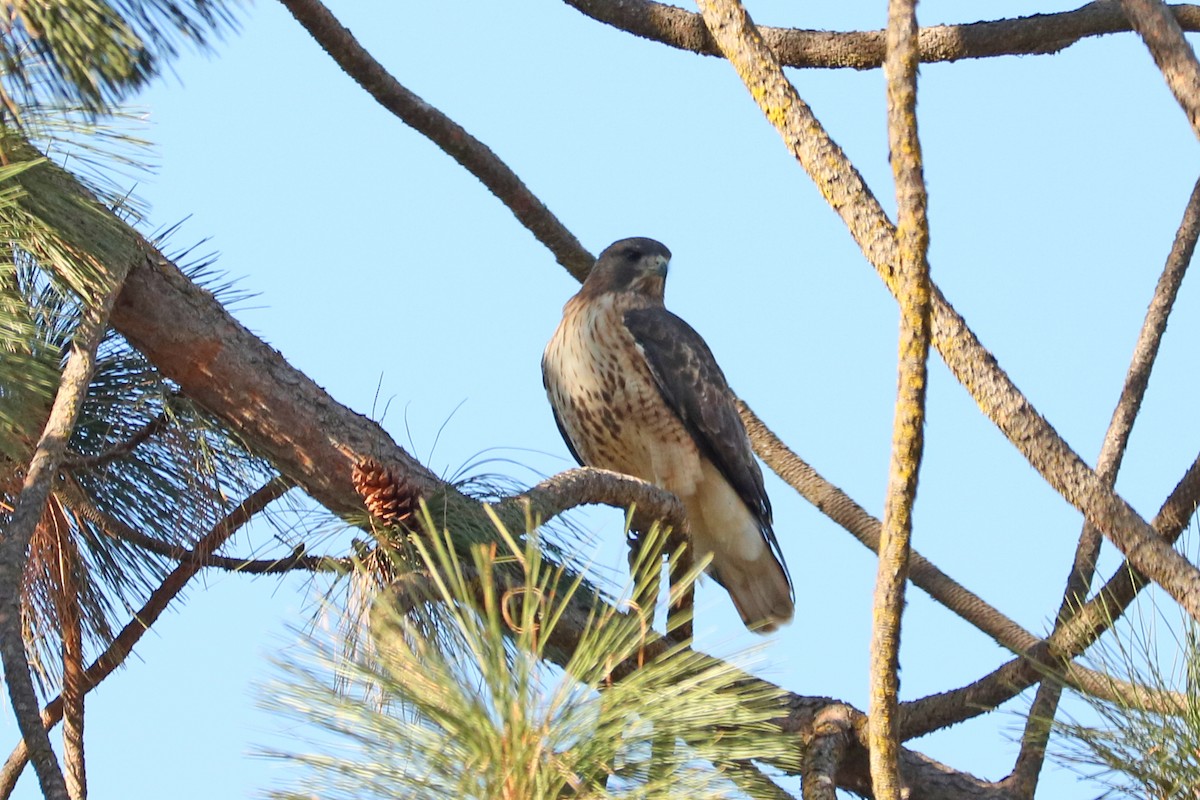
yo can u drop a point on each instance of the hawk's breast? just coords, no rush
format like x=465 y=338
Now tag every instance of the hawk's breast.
x=608 y=403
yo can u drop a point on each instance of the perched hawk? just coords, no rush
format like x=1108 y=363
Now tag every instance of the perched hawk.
x=636 y=390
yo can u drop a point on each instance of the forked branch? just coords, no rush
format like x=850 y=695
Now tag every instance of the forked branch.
x=1176 y=59
x=954 y=706
x=1112 y=451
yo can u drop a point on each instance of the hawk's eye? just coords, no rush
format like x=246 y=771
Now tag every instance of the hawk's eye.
x=635 y=255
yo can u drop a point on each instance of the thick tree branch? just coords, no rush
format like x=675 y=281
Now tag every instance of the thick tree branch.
x=122 y=645
x=1037 y=726
x=1038 y=34
x=832 y=736
x=453 y=140
x=28 y=510
x=908 y=434
x=1174 y=56
x=974 y=367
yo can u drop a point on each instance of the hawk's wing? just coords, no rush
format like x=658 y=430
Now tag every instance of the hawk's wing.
x=694 y=387
x=562 y=430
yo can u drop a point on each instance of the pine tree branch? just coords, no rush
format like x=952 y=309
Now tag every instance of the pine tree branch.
x=1160 y=31
x=1112 y=451
x=310 y=437
x=908 y=426
x=122 y=645
x=27 y=511
x=974 y=367
x=451 y=138
x=1038 y=34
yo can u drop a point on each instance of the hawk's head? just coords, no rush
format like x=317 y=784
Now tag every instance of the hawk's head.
x=630 y=265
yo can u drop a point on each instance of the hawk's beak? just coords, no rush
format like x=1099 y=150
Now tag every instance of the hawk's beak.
x=660 y=266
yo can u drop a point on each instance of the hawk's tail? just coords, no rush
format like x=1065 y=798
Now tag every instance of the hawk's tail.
x=760 y=591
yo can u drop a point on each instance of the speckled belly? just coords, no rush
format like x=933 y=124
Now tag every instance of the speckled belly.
x=610 y=405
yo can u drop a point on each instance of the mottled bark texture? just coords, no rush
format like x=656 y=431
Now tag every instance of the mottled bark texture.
x=908 y=427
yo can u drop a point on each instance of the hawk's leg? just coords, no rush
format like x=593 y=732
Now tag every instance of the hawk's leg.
x=680 y=609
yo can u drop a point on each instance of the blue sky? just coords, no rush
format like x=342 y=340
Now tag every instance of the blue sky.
x=392 y=278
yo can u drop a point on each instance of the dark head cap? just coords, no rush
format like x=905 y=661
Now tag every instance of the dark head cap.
x=630 y=265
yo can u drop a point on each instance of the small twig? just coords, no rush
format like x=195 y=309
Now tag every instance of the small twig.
x=27 y=510
x=1161 y=32
x=1038 y=34
x=119 y=450
x=453 y=140
x=297 y=560
x=158 y=601
x=1045 y=705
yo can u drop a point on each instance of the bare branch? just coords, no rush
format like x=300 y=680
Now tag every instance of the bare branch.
x=949 y=708
x=464 y=148
x=1171 y=51
x=158 y=601
x=1038 y=34
x=28 y=509
x=974 y=367
x=588 y=485
x=908 y=434
x=928 y=714
x=1037 y=725
x=297 y=560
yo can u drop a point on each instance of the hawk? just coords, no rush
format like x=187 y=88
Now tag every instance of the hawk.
x=636 y=390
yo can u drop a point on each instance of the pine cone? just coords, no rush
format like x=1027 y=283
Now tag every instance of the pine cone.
x=387 y=495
